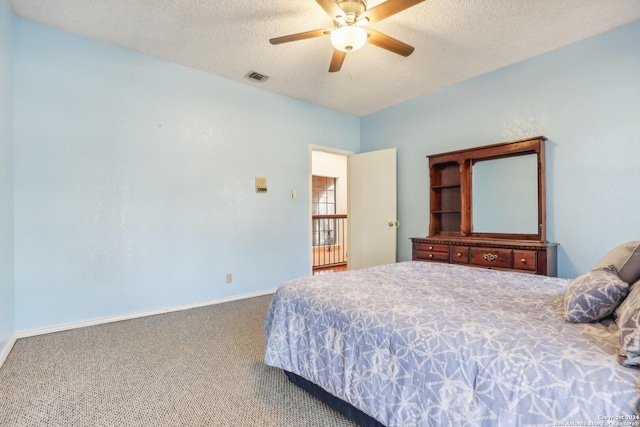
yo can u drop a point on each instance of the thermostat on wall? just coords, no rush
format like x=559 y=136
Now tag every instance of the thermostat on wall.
x=261 y=184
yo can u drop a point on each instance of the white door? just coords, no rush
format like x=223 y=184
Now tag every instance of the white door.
x=372 y=226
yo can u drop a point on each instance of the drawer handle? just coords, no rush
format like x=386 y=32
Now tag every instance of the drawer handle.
x=430 y=248
x=522 y=260
x=489 y=257
x=430 y=255
x=459 y=254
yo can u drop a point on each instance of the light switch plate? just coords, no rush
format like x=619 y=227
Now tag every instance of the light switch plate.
x=261 y=184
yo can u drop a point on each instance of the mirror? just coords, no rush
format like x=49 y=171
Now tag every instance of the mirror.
x=504 y=195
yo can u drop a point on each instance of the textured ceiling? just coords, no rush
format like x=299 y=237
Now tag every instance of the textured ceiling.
x=454 y=40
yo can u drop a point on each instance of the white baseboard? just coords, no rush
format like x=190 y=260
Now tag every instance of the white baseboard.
x=7 y=349
x=110 y=319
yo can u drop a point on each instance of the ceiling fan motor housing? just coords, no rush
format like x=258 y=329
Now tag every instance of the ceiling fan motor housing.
x=352 y=9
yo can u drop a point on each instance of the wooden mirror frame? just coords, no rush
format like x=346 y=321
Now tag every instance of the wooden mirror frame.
x=465 y=159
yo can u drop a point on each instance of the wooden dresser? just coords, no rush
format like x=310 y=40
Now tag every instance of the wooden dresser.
x=523 y=256
x=460 y=203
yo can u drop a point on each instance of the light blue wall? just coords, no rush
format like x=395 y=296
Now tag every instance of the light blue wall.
x=585 y=98
x=134 y=177
x=134 y=181
x=6 y=174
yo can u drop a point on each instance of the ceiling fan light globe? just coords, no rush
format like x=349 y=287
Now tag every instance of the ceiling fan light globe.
x=348 y=38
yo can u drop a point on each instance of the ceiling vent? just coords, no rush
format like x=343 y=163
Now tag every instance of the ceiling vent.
x=252 y=75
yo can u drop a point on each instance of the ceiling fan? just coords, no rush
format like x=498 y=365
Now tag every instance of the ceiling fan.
x=349 y=18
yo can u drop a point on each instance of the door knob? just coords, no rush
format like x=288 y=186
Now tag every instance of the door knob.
x=392 y=223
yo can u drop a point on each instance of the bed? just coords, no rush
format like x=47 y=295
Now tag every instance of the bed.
x=430 y=344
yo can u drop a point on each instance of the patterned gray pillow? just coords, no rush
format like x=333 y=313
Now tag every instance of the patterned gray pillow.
x=594 y=295
x=628 y=319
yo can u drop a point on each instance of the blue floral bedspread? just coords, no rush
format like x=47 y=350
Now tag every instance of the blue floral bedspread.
x=428 y=344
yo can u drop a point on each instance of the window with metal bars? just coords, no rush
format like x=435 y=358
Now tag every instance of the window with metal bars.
x=324 y=203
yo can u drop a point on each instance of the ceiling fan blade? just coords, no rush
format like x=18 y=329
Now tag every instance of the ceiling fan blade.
x=389 y=43
x=332 y=9
x=336 y=60
x=386 y=9
x=300 y=36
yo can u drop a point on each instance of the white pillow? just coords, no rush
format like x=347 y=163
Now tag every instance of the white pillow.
x=626 y=259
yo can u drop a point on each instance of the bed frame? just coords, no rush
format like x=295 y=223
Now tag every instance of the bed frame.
x=344 y=408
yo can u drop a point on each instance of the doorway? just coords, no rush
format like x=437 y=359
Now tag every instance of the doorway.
x=329 y=184
x=367 y=202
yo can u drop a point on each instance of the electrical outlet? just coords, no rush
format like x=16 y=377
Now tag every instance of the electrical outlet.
x=229 y=277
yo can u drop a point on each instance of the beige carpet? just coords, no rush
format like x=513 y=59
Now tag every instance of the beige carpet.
x=198 y=367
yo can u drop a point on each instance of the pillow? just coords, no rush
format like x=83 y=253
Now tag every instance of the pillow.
x=594 y=295
x=626 y=259
x=628 y=319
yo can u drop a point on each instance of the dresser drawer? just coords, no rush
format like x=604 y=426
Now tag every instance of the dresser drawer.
x=491 y=257
x=431 y=256
x=460 y=254
x=430 y=247
x=524 y=260
x=427 y=251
